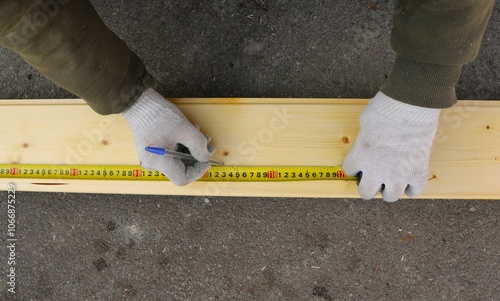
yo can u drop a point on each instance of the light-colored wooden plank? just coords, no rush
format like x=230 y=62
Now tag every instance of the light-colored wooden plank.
x=465 y=162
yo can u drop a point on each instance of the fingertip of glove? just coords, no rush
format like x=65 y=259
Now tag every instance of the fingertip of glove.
x=179 y=183
x=367 y=196
x=369 y=187
x=203 y=156
x=350 y=169
x=390 y=198
x=211 y=149
x=367 y=193
x=393 y=192
x=199 y=148
x=415 y=190
x=196 y=171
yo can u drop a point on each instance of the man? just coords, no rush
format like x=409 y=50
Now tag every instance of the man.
x=67 y=42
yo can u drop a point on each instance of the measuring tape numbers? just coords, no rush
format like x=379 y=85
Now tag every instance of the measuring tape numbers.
x=130 y=172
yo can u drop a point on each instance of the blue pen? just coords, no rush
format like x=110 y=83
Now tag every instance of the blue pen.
x=178 y=155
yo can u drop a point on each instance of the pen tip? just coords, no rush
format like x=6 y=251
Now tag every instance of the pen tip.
x=155 y=150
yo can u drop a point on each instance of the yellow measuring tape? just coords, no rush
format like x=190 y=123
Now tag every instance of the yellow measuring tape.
x=130 y=172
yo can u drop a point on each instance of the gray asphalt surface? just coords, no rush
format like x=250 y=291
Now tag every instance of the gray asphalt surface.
x=124 y=247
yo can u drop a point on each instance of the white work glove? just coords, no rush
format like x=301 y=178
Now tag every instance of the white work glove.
x=392 y=149
x=154 y=121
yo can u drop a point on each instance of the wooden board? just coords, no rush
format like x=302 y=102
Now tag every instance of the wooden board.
x=465 y=162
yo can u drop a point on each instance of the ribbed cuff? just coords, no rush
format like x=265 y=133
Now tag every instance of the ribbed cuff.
x=145 y=110
x=391 y=109
x=422 y=84
x=144 y=83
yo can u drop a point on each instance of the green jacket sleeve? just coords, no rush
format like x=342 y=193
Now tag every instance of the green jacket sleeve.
x=432 y=40
x=67 y=41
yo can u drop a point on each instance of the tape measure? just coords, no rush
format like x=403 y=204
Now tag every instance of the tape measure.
x=130 y=172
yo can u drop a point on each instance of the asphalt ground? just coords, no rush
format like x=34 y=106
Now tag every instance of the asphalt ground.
x=129 y=247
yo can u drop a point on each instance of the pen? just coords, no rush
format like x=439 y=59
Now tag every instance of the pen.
x=178 y=155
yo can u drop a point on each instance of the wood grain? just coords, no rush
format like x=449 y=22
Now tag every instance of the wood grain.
x=465 y=162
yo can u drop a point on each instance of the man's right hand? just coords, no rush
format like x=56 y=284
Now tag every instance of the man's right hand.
x=154 y=121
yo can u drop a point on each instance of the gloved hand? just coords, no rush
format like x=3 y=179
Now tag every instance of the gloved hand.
x=154 y=121
x=393 y=148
